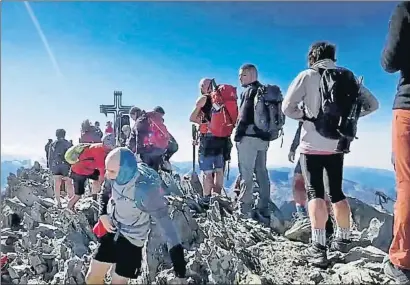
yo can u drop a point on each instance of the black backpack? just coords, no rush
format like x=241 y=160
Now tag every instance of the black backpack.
x=58 y=149
x=340 y=105
x=268 y=115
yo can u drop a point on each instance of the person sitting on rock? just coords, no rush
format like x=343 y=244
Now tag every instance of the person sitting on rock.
x=172 y=144
x=130 y=197
x=59 y=166
x=47 y=149
x=87 y=162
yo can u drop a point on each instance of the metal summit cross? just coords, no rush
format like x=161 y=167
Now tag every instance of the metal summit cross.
x=117 y=109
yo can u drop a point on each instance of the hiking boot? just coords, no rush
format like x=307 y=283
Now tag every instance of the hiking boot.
x=315 y=254
x=399 y=275
x=300 y=230
x=262 y=217
x=342 y=245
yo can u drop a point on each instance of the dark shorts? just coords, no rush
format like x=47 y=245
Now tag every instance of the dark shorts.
x=80 y=180
x=60 y=169
x=323 y=174
x=126 y=256
x=298 y=169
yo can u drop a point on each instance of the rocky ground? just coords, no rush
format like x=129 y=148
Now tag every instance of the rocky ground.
x=46 y=245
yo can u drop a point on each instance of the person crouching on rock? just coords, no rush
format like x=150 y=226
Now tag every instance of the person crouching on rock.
x=131 y=195
x=87 y=162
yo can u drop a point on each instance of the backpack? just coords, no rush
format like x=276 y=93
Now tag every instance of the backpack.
x=340 y=105
x=58 y=150
x=224 y=111
x=268 y=115
x=157 y=133
x=72 y=155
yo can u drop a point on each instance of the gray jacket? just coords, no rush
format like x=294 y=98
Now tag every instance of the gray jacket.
x=304 y=89
x=131 y=206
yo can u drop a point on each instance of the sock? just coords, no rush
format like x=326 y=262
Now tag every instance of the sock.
x=300 y=209
x=343 y=233
x=319 y=236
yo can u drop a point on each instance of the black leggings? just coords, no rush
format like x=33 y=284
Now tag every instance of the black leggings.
x=323 y=172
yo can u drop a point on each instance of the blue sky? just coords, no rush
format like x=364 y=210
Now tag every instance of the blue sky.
x=156 y=52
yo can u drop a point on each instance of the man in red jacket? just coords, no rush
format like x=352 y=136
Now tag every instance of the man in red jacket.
x=89 y=164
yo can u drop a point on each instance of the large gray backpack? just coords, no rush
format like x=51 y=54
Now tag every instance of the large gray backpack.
x=268 y=115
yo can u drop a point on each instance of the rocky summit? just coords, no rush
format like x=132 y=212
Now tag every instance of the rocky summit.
x=42 y=244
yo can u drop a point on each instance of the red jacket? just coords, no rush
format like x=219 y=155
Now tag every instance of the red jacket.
x=90 y=159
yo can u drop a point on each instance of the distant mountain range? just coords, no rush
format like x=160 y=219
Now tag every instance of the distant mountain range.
x=11 y=166
x=359 y=182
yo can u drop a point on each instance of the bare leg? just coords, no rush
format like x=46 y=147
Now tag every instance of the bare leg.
x=57 y=187
x=96 y=272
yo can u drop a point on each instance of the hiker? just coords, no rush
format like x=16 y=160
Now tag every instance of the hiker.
x=396 y=57
x=214 y=131
x=98 y=129
x=149 y=137
x=47 y=148
x=71 y=142
x=89 y=133
x=87 y=162
x=135 y=113
x=252 y=138
x=302 y=222
x=59 y=166
x=130 y=197
x=298 y=185
x=125 y=134
x=172 y=144
x=122 y=121
x=108 y=128
x=321 y=155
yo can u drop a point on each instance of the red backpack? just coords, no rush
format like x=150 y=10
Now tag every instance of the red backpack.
x=158 y=135
x=224 y=112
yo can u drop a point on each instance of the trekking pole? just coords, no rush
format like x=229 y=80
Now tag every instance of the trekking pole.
x=194 y=139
